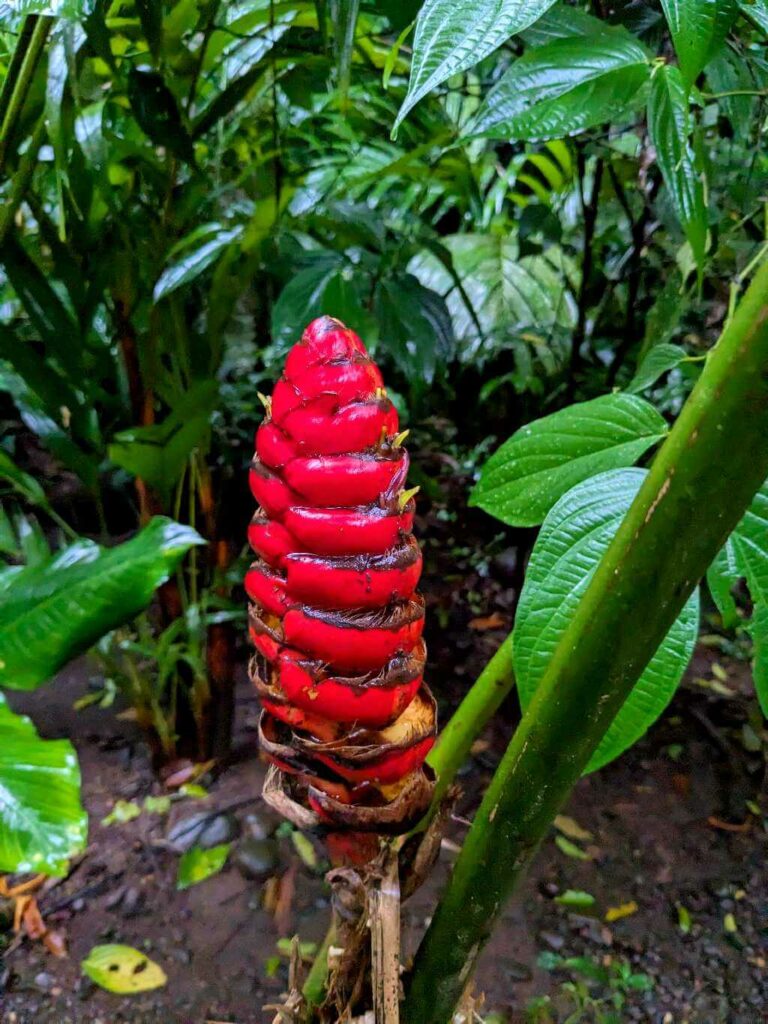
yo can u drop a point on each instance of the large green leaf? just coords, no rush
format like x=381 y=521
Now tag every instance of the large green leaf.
x=194 y=254
x=158 y=453
x=573 y=539
x=757 y=10
x=698 y=28
x=521 y=481
x=451 y=37
x=503 y=292
x=415 y=326
x=745 y=556
x=51 y=612
x=564 y=87
x=669 y=129
x=326 y=284
x=42 y=822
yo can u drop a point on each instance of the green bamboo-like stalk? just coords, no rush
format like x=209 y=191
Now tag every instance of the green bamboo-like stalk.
x=33 y=44
x=698 y=488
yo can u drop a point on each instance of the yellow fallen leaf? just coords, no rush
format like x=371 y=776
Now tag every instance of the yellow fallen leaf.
x=623 y=910
x=571 y=828
x=123 y=970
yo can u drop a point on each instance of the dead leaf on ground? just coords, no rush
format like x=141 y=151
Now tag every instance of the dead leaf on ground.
x=728 y=826
x=485 y=622
x=571 y=828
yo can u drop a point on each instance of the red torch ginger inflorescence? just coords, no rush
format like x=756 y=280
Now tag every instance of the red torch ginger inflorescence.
x=335 y=617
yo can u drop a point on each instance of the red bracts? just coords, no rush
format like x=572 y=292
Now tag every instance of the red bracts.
x=335 y=617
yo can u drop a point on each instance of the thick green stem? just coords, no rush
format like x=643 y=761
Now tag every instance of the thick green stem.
x=470 y=718
x=21 y=86
x=698 y=488
x=21 y=180
x=317 y=979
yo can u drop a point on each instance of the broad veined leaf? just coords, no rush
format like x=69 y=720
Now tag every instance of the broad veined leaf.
x=669 y=128
x=659 y=361
x=194 y=254
x=521 y=481
x=51 y=612
x=757 y=10
x=42 y=822
x=562 y=21
x=326 y=284
x=745 y=556
x=503 y=293
x=451 y=37
x=123 y=970
x=698 y=28
x=415 y=326
x=564 y=87
x=573 y=539
x=158 y=453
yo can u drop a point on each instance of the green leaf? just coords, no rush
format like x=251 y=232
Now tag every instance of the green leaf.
x=698 y=28
x=669 y=129
x=570 y=849
x=157 y=113
x=563 y=21
x=507 y=292
x=745 y=556
x=197 y=864
x=576 y=898
x=326 y=284
x=158 y=453
x=521 y=481
x=659 y=361
x=194 y=254
x=43 y=822
x=564 y=87
x=573 y=539
x=122 y=812
x=757 y=11
x=415 y=326
x=451 y=37
x=123 y=970
x=22 y=482
x=51 y=612
x=75 y=10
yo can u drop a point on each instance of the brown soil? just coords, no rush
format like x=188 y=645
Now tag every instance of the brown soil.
x=657 y=818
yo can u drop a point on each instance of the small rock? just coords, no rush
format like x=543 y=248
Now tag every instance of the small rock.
x=516 y=971
x=260 y=824
x=204 y=831
x=553 y=940
x=44 y=981
x=256 y=858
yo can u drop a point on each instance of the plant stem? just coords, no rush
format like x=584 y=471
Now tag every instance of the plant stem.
x=314 y=986
x=698 y=488
x=21 y=179
x=479 y=706
x=23 y=82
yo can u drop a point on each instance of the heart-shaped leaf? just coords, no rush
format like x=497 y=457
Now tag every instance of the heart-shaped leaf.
x=564 y=87
x=451 y=37
x=521 y=482
x=573 y=539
